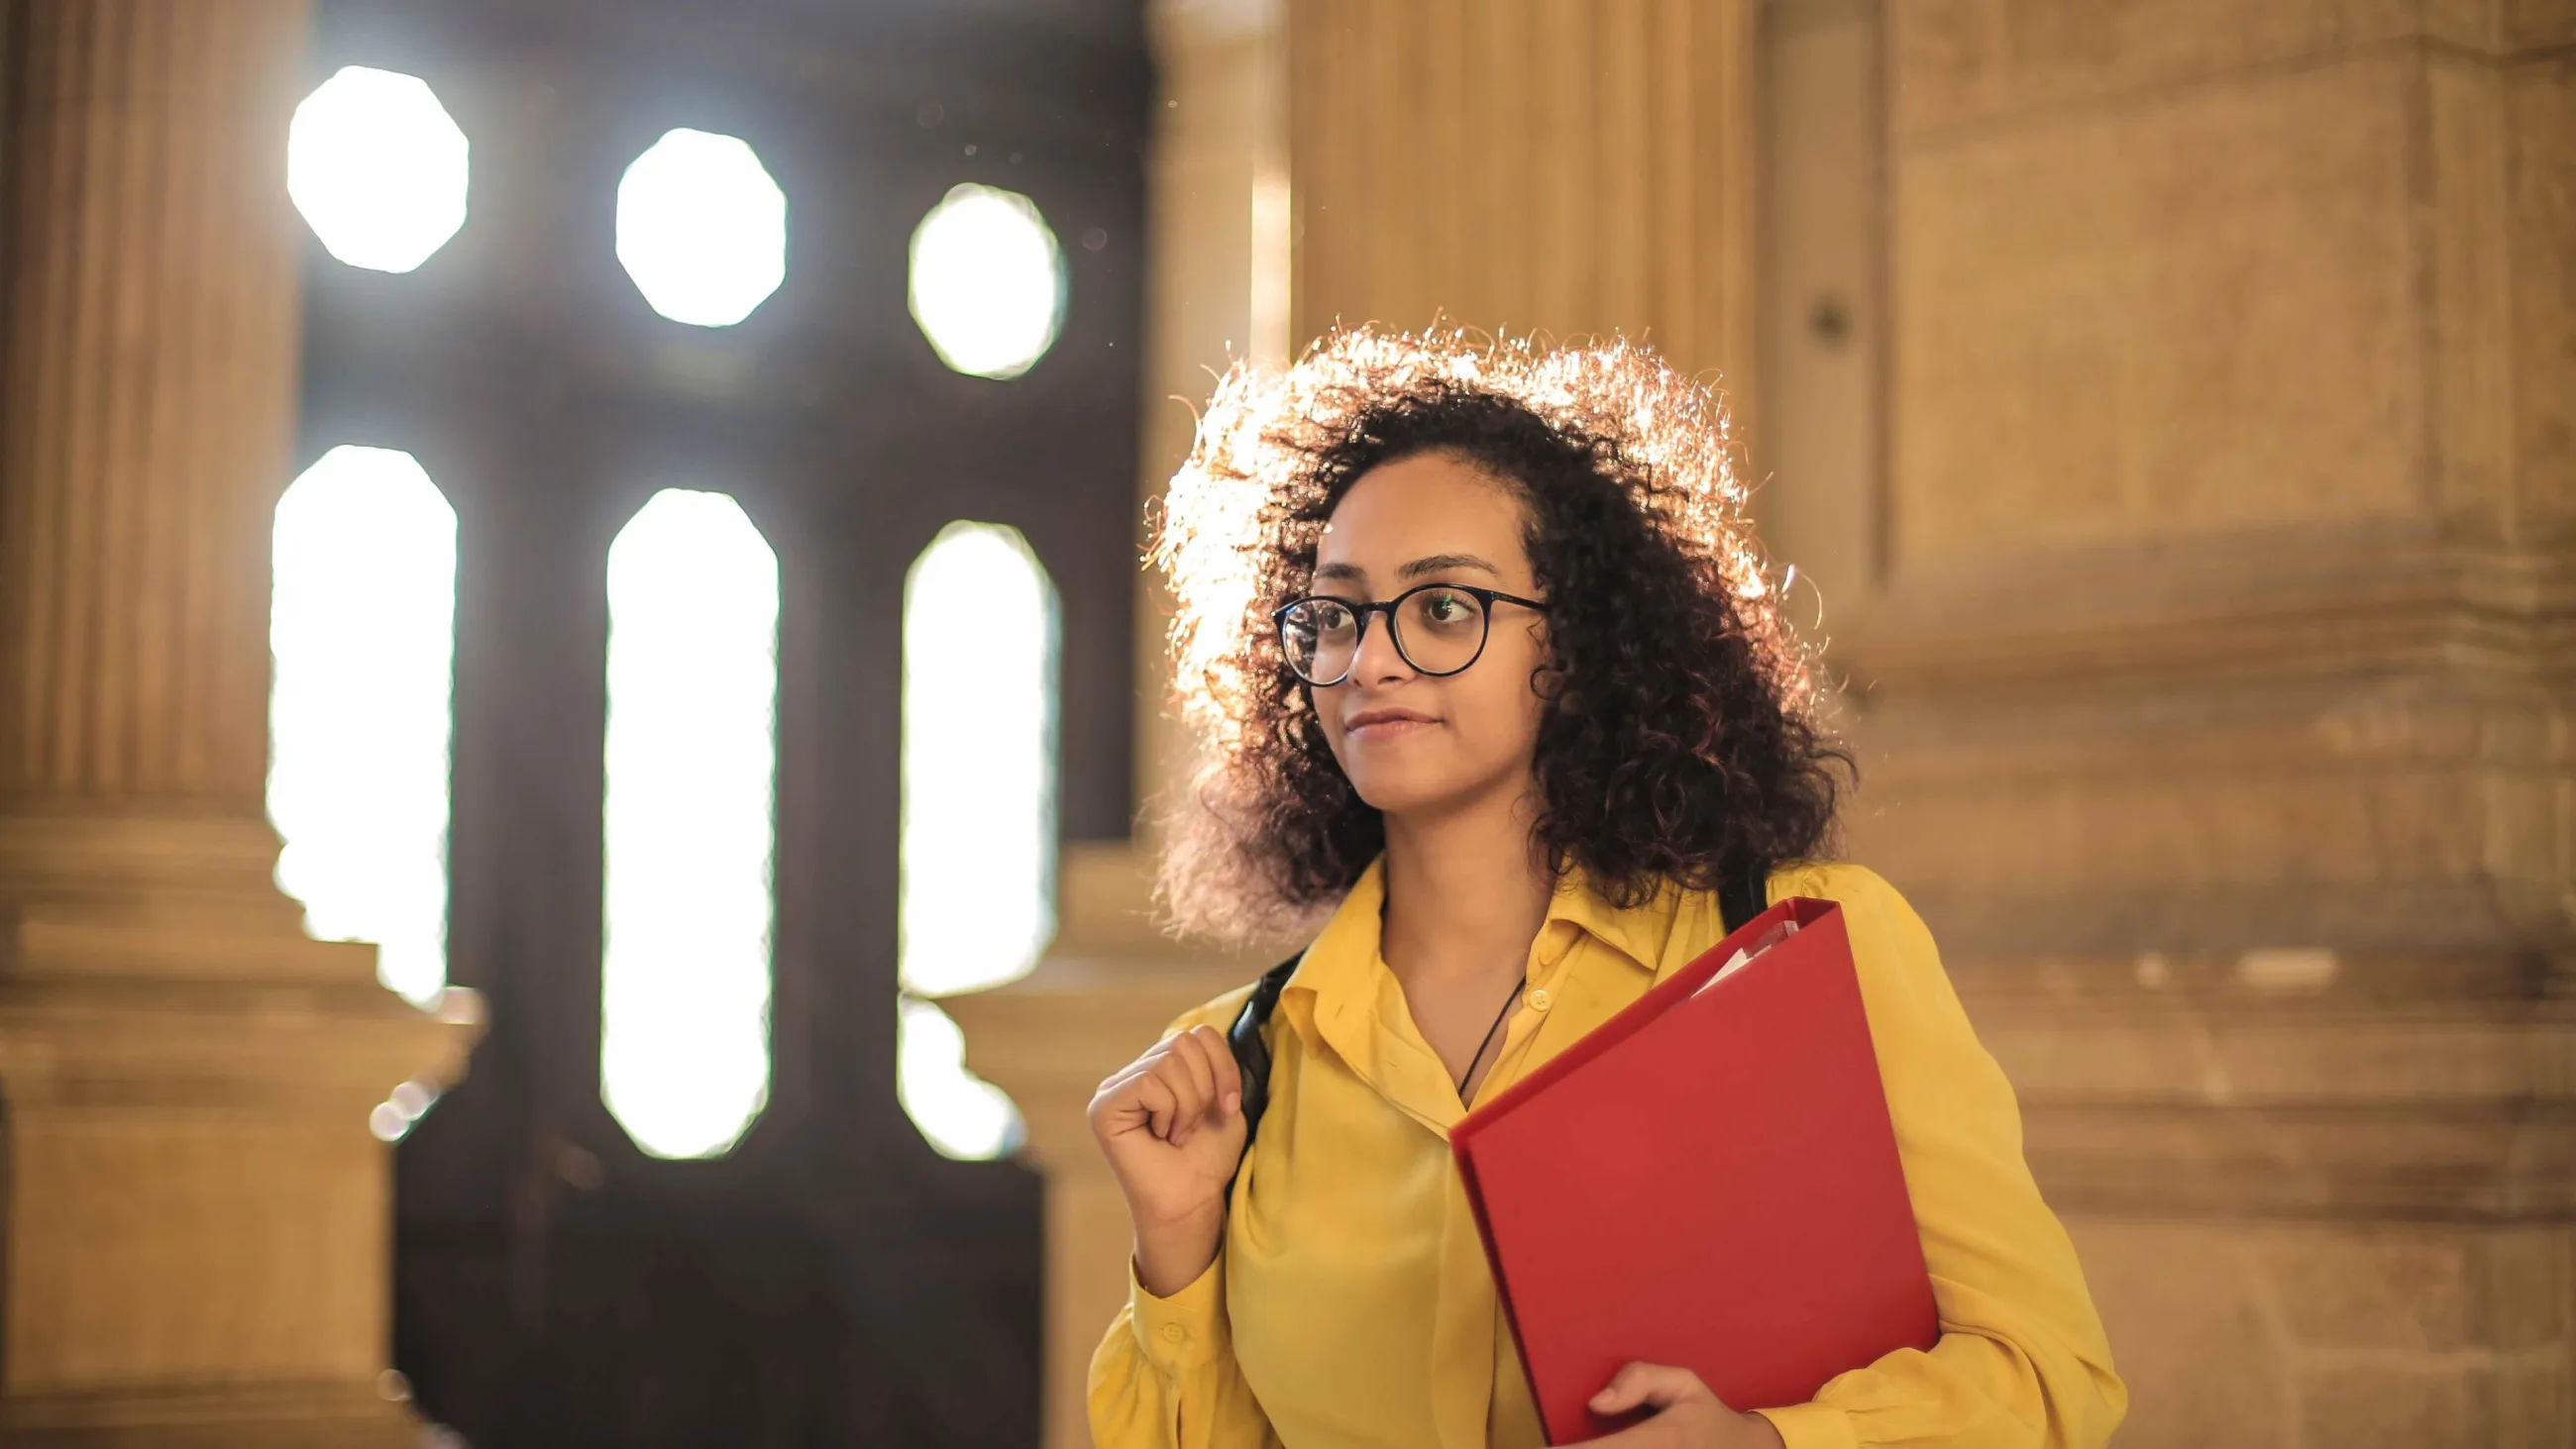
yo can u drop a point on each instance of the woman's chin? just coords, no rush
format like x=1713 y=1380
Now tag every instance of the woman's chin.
x=1402 y=793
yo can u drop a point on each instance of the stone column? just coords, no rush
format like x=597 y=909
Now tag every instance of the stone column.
x=1401 y=161
x=197 y=1215
x=2207 y=631
x=1520 y=165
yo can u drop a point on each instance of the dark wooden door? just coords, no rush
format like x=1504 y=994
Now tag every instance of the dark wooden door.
x=830 y=1280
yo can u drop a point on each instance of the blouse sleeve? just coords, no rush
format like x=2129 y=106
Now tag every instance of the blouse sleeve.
x=2022 y=1362
x=1165 y=1377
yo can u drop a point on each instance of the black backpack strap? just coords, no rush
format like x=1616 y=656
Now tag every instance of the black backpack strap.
x=1742 y=898
x=1251 y=1048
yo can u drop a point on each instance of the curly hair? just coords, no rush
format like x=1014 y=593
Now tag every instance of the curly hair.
x=1682 y=741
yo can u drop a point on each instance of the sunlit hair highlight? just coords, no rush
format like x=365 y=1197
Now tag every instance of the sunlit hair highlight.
x=1682 y=739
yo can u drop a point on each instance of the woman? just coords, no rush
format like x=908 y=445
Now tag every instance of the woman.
x=1490 y=680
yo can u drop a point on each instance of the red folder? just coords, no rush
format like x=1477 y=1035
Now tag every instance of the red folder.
x=1708 y=1180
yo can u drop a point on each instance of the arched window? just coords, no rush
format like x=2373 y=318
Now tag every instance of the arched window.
x=691 y=762
x=979 y=823
x=362 y=620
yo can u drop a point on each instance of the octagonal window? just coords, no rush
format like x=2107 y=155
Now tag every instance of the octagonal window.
x=378 y=168
x=987 y=281
x=702 y=228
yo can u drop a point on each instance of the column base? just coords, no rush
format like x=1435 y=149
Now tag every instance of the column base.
x=225 y=1416
x=2334 y=1211
x=197 y=1214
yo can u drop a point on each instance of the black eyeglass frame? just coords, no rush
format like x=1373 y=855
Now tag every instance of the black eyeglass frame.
x=1361 y=611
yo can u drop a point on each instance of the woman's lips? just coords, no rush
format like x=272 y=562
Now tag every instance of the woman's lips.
x=1374 y=728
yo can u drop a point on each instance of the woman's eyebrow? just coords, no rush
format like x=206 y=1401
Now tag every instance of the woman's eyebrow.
x=1442 y=563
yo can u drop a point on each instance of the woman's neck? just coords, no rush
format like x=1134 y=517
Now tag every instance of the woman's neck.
x=1465 y=894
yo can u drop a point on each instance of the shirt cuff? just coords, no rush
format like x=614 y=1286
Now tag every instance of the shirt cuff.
x=1812 y=1426
x=1186 y=1330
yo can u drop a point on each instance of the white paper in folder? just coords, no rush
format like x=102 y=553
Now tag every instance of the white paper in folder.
x=1745 y=957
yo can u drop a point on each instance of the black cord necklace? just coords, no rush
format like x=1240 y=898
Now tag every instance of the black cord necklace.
x=1478 y=1059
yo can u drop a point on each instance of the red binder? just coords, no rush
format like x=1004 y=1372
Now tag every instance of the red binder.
x=1708 y=1180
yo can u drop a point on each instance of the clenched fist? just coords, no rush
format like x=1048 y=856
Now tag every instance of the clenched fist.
x=1171 y=1125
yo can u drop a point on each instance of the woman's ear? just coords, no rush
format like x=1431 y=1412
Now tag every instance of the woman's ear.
x=1550 y=683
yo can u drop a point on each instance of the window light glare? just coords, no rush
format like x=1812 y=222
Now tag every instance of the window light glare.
x=702 y=228
x=960 y=1114
x=691 y=775
x=976 y=902
x=988 y=281
x=362 y=624
x=977 y=894
x=378 y=168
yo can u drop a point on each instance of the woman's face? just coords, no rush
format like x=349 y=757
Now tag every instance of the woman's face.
x=1412 y=743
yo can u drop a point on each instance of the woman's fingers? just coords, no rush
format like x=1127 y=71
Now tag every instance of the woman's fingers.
x=1184 y=1082
x=1229 y=1075
x=1118 y=1079
x=1190 y=1055
x=1160 y=1104
x=1647 y=1385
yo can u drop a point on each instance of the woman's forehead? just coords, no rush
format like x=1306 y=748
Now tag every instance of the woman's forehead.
x=1423 y=507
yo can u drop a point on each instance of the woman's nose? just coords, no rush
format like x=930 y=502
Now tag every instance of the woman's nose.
x=1378 y=657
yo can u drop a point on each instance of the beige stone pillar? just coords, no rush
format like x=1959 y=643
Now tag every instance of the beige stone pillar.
x=197 y=1217
x=2206 y=620
x=1399 y=162
x=1521 y=165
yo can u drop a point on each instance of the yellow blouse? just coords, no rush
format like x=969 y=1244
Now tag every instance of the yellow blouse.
x=1351 y=1304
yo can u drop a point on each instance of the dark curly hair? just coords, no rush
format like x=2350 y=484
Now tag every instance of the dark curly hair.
x=1682 y=741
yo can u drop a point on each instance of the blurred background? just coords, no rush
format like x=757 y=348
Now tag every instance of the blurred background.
x=641 y=499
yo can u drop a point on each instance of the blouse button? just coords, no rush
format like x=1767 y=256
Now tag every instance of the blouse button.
x=1540 y=999
x=1174 y=1333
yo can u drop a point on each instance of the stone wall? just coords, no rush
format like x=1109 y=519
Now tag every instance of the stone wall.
x=2209 y=657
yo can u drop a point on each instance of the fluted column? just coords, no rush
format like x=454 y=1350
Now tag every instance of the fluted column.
x=1513 y=165
x=151 y=376
x=1503 y=164
x=196 y=1216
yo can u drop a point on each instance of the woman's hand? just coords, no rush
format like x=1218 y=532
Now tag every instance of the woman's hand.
x=1687 y=1414
x=1171 y=1125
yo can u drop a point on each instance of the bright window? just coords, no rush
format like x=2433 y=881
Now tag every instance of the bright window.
x=979 y=787
x=987 y=281
x=378 y=168
x=702 y=228
x=691 y=759
x=961 y=1114
x=362 y=621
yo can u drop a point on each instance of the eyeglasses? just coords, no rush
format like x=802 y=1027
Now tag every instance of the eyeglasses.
x=1439 y=629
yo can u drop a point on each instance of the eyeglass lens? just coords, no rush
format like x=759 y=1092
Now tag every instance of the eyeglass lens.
x=1437 y=630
